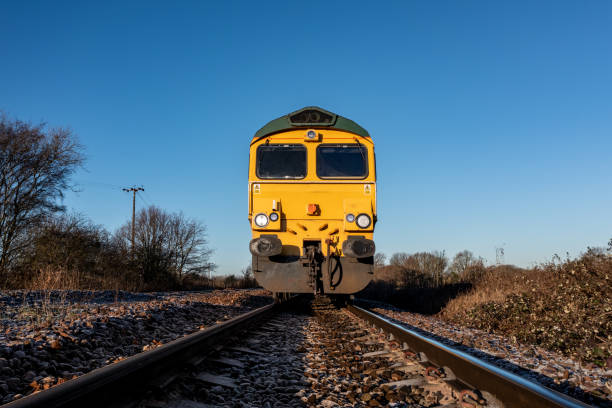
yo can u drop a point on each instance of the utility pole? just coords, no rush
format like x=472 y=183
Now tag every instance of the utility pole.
x=134 y=190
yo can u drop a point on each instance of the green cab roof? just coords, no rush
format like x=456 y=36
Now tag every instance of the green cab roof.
x=308 y=118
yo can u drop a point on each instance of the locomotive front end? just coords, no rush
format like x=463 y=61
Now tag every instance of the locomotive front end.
x=312 y=204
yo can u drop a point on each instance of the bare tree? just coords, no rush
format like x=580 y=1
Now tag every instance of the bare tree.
x=248 y=280
x=399 y=259
x=405 y=269
x=151 y=244
x=422 y=269
x=189 y=244
x=167 y=245
x=432 y=265
x=466 y=265
x=35 y=170
x=380 y=260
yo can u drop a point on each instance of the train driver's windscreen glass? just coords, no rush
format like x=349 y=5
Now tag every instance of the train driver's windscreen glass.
x=342 y=161
x=281 y=161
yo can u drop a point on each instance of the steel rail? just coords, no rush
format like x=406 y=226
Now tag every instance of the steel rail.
x=122 y=383
x=511 y=389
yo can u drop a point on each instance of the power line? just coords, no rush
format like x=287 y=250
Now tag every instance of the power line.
x=148 y=196
x=145 y=202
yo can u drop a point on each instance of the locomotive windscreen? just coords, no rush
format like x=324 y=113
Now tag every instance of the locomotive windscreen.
x=342 y=161
x=281 y=161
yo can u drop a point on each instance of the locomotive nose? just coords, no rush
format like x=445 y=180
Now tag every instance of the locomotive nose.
x=266 y=245
x=358 y=247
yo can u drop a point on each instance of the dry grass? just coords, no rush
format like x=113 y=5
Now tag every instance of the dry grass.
x=50 y=301
x=50 y=278
x=495 y=285
x=53 y=278
x=45 y=293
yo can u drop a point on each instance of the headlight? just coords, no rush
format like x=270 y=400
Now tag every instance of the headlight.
x=350 y=217
x=274 y=217
x=261 y=220
x=363 y=221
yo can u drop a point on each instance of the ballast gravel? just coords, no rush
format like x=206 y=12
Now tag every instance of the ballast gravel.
x=47 y=338
x=590 y=383
x=329 y=358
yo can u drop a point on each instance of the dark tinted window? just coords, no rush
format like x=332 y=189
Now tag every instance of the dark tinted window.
x=281 y=161
x=342 y=161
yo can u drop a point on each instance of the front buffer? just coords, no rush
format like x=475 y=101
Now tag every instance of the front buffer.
x=314 y=272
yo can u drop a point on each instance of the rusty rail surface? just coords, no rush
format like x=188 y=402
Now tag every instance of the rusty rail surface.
x=509 y=388
x=122 y=383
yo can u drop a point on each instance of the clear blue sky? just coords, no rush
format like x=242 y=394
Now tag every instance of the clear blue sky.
x=492 y=121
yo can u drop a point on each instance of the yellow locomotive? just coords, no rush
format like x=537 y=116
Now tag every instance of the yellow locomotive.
x=312 y=204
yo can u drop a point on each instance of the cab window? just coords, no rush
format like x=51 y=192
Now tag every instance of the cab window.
x=281 y=161
x=342 y=161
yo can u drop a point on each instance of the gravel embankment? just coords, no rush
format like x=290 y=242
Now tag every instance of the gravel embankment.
x=48 y=338
x=585 y=382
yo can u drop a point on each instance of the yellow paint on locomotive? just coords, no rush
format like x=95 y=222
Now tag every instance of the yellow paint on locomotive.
x=333 y=198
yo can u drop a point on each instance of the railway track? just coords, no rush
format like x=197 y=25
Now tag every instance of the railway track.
x=474 y=374
x=297 y=355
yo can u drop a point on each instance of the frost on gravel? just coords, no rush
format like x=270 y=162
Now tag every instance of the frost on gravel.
x=588 y=383
x=47 y=338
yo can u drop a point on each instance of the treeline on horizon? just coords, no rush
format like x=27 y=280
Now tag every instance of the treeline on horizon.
x=426 y=281
x=43 y=247
x=430 y=268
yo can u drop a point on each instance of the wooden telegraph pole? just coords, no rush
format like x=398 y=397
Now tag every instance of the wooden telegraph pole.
x=134 y=190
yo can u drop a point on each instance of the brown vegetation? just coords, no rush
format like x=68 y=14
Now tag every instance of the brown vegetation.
x=422 y=282
x=565 y=307
x=494 y=285
x=562 y=306
x=70 y=252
